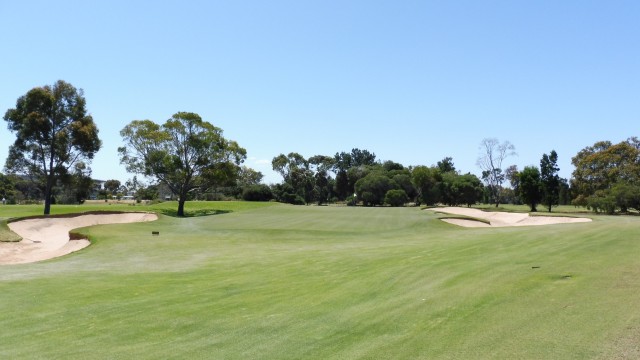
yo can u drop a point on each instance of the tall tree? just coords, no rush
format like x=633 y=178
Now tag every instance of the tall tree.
x=53 y=132
x=446 y=165
x=185 y=153
x=530 y=188
x=550 y=180
x=362 y=157
x=492 y=155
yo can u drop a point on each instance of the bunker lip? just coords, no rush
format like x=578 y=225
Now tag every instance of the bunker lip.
x=503 y=219
x=48 y=237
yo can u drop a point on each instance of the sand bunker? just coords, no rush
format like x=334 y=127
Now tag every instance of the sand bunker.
x=46 y=238
x=503 y=219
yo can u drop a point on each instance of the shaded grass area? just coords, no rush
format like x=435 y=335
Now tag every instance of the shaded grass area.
x=285 y=282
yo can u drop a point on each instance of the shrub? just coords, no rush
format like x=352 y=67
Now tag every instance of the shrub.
x=396 y=197
x=372 y=188
x=257 y=193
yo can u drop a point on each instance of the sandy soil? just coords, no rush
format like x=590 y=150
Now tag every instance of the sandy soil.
x=503 y=219
x=47 y=238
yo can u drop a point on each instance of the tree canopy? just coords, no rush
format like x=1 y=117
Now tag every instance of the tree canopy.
x=185 y=153
x=607 y=175
x=53 y=132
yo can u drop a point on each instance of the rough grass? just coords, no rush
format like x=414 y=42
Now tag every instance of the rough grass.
x=286 y=282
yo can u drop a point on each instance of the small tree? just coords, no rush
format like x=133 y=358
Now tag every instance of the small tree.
x=53 y=132
x=530 y=188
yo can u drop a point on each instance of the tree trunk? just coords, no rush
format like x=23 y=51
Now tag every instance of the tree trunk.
x=181 y=201
x=47 y=194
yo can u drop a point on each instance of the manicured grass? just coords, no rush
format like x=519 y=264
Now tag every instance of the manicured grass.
x=307 y=282
x=192 y=208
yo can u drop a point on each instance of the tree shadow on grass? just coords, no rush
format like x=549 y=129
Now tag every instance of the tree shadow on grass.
x=193 y=213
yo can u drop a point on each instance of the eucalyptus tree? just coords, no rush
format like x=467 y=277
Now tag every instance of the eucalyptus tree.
x=297 y=175
x=53 y=133
x=185 y=153
x=492 y=155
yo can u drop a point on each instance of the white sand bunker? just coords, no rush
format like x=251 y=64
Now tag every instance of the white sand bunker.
x=46 y=238
x=503 y=219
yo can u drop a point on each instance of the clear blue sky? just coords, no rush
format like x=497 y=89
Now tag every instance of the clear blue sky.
x=412 y=81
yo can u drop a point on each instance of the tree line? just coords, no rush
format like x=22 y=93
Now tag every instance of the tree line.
x=357 y=177
x=189 y=158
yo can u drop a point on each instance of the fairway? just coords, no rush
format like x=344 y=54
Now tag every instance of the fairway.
x=272 y=281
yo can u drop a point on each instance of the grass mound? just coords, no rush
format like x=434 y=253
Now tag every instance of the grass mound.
x=6 y=235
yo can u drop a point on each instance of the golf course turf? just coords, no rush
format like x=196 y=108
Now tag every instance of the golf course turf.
x=272 y=281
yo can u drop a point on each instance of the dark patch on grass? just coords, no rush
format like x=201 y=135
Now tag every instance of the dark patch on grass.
x=77 y=236
x=535 y=267
x=193 y=213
